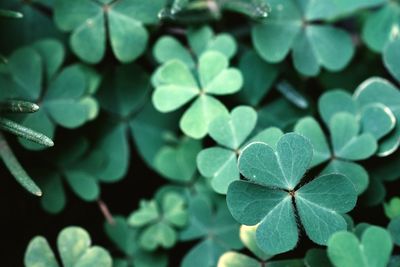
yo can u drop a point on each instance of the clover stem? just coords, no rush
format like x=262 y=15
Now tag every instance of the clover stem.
x=105 y=211
x=292 y=193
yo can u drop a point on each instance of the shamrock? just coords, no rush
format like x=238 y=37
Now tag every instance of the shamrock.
x=347 y=145
x=126 y=240
x=292 y=26
x=176 y=85
x=74 y=246
x=380 y=26
x=159 y=221
x=248 y=238
x=272 y=187
x=91 y=21
x=231 y=133
x=380 y=91
x=373 y=249
x=67 y=101
x=211 y=222
x=81 y=167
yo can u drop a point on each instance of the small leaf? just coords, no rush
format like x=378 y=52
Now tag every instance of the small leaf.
x=147 y=213
x=248 y=237
x=345 y=250
x=234 y=259
x=392 y=209
x=335 y=101
x=39 y=254
x=391 y=57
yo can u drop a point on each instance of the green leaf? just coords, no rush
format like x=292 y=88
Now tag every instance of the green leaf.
x=335 y=101
x=283 y=168
x=201 y=113
x=378 y=90
x=231 y=131
x=316 y=257
x=147 y=213
x=248 y=237
x=168 y=48
x=54 y=199
x=346 y=141
x=258 y=77
x=393 y=228
x=320 y=204
x=378 y=27
x=83 y=184
x=374 y=248
x=174 y=208
x=392 y=209
x=159 y=234
x=39 y=254
x=378 y=120
x=178 y=163
x=311 y=129
x=234 y=259
x=391 y=58
x=355 y=172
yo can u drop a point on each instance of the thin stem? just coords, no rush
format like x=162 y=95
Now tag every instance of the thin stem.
x=105 y=211
x=16 y=169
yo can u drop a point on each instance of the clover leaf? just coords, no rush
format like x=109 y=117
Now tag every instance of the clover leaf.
x=200 y=39
x=391 y=57
x=380 y=26
x=178 y=163
x=159 y=221
x=175 y=86
x=347 y=145
x=213 y=224
x=125 y=99
x=273 y=185
x=373 y=248
x=375 y=118
x=74 y=246
x=291 y=27
x=248 y=237
x=67 y=101
x=93 y=23
x=317 y=257
x=394 y=230
x=392 y=209
x=126 y=240
x=377 y=90
x=79 y=166
x=230 y=132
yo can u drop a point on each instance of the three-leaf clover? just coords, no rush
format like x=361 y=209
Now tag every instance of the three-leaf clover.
x=231 y=133
x=291 y=27
x=176 y=85
x=94 y=23
x=74 y=246
x=347 y=144
x=126 y=240
x=67 y=99
x=272 y=194
x=159 y=221
x=373 y=249
x=213 y=224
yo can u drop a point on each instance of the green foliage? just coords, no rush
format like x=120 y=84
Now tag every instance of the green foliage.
x=194 y=108
x=273 y=176
x=75 y=249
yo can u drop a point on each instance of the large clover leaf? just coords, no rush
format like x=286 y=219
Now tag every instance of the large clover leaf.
x=230 y=132
x=272 y=187
x=159 y=221
x=212 y=223
x=291 y=26
x=90 y=21
x=74 y=246
x=380 y=91
x=374 y=248
x=126 y=240
x=66 y=101
x=176 y=85
x=391 y=57
x=380 y=26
